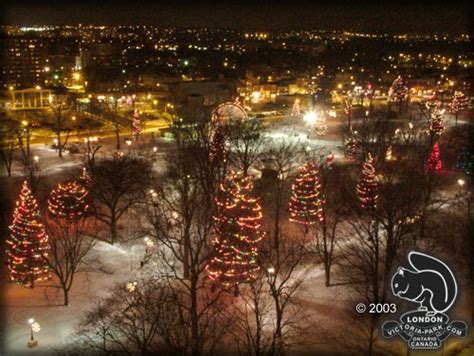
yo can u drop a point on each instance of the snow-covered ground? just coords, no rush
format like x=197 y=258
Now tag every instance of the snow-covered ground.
x=45 y=305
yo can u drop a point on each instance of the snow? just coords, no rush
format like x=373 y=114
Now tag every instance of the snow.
x=57 y=321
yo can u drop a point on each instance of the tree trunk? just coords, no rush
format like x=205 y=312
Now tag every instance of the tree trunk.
x=327 y=274
x=117 y=134
x=113 y=228
x=66 y=296
x=194 y=318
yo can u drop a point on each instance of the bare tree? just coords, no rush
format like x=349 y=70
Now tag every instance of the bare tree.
x=142 y=319
x=117 y=184
x=252 y=319
x=281 y=157
x=30 y=162
x=333 y=212
x=61 y=108
x=8 y=145
x=246 y=141
x=70 y=241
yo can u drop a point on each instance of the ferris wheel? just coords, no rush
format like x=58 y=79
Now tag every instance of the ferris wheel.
x=227 y=112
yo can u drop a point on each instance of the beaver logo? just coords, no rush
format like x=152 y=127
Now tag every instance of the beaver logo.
x=431 y=284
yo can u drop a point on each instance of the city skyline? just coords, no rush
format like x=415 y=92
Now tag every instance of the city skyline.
x=370 y=17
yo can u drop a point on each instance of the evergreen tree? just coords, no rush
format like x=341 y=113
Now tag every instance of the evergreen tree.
x=136 y=126
x=436 y=122
x=465 y=161
x=366 y=189
x=238 y=231
x=434 y=163
x=68 y=200
x=28 y=242
x=459 y=102
x=352 y=147
x=306 y=203
x=398 y=92
x=295 y=111
x=218 y=149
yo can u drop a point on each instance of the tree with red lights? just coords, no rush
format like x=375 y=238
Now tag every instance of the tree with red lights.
x=434 y=163
x=136 y=126
x=366 y=189
x=68 y=200
x=28 y=242
x=398 y=92
x=238 y=223
x=217 y=149
x=69 y=231
x=305 y=203
x=458 y=103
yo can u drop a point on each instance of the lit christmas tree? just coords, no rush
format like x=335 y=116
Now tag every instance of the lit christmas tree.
x=434 y=163
x=366 y=189
x=238 y=224
x=465 y=161
x=28 y=242
x=458 y=103
x=398 y=92
x=68 y=200
x=388 y=154
x=352 y=147
x=85 y=179
x=295 y=111
x=217 y=149
x=348 y=109
x=306 y=203
x=436 y=122
x=321 y=125
x=136 y=126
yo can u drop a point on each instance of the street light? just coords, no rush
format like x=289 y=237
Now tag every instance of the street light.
x=34 y=328
x=461 y=183
x=310 y=118
x=128 y=143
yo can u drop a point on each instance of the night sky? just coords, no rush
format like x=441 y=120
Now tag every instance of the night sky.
x=425 y=17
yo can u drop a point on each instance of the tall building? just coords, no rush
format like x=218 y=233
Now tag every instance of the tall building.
x=22 y=62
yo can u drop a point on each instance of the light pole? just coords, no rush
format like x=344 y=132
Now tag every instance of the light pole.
x=34 y=328
x=129 y=144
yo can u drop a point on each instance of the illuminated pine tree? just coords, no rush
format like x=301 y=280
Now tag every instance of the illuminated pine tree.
x=388 y=153
x=459 y=102
x=321 y=125
x=218 y=149
x=436 y=122
x=306 y=204
x=295 y=111
x=465 y=161
x=85 y=179
x=398 y=92
x=366 y=189
x=238 y=231
x=352 y=147
x=68 y=201
x=136 y=126
x=348 y=109
x=434 y=163
x=28 y=242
